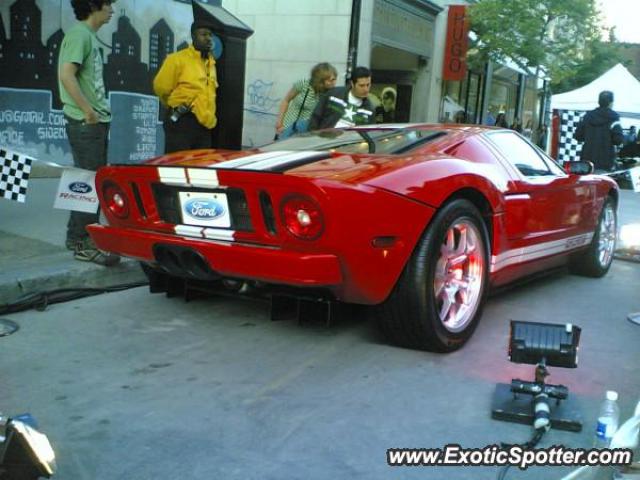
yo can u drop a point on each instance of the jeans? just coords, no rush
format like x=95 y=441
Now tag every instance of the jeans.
x=89 y=149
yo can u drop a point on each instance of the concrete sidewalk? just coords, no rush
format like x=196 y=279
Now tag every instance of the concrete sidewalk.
x=33 y=257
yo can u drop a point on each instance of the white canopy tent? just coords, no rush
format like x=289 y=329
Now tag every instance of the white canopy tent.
x=626 y=93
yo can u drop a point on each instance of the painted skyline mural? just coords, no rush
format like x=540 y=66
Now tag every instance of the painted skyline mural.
x=31 y=120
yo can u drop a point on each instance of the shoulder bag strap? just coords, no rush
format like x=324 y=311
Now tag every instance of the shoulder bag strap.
x=293 y=125
x=304 y=99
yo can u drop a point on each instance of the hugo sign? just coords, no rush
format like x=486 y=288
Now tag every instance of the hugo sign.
x=455 y=65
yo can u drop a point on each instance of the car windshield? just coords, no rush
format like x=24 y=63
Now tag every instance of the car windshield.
x=371 y=140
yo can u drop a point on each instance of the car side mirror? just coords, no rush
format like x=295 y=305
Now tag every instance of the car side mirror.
x=581 y=167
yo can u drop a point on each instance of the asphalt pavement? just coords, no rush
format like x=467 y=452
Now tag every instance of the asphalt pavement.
x=131 y=385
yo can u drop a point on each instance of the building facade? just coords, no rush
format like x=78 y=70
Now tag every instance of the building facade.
x=402 y=41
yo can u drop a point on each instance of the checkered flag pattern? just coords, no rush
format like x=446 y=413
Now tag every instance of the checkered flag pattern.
x=14 y=175
x=568 y=147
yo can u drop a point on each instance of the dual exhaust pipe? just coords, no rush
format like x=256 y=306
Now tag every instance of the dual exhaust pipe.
x=184 y=262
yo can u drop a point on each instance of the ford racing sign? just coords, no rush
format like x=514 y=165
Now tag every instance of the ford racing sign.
x=76 y=191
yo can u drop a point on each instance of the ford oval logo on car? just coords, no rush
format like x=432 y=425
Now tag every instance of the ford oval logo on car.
x=203 y=209
x=80 y=187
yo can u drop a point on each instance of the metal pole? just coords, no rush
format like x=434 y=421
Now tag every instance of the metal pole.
x=354 y=32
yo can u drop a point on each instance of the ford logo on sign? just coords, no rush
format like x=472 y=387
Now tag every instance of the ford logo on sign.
x=80 y=187
x=203 y=209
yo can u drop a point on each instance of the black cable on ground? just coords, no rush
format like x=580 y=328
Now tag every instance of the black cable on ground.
x=535 y=439
x=41 y=300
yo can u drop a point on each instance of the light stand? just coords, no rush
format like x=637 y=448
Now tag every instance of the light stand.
x=528 y=402
x=25 y=453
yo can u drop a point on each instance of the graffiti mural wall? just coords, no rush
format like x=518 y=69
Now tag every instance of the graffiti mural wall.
x=135 y=43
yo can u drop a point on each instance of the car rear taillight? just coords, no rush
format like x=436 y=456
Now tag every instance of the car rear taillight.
x=115 y=200
x=302 y=217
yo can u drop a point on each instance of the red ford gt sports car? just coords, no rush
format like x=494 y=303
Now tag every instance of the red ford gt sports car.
x=417 y=220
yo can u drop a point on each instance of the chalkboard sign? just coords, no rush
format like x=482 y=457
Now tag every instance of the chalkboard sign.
x=30 y=126
x=136 y=134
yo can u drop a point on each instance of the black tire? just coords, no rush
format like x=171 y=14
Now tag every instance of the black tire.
x=415 y=315
x=596 y=260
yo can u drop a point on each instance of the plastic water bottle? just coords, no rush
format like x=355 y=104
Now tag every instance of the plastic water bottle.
x=628 y=436
x=608 y=419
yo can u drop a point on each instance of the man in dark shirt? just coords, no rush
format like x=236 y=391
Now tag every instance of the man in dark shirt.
x=345 y=107
x=600 y=131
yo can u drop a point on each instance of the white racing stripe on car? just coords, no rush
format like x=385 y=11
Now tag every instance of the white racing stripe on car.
x=219 y=234
x=282 y=161
x=526 y=254
x=189 y=231
x=242 y=162
x=208 y=177
x=272 y=160
x=203 y=177
x=172 y=175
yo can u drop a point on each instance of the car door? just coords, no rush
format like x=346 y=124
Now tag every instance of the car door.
x=544 y=207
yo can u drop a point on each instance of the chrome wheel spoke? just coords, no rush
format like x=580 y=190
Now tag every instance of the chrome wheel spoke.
x=439 y=284
x=458 y=276
x=465 y=290
x=607 y=236
x=447 y=303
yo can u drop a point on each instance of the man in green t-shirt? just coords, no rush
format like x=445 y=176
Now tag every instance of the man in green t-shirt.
x=86 y=111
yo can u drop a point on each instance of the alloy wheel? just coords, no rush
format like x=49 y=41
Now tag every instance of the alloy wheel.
x=459 y=275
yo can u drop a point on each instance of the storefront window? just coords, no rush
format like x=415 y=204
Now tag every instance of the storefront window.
x=504 y=93
x=453 y=101
x=503 y=99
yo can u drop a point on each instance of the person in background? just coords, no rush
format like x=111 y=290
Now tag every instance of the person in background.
x=631 y=136
x=460 y=117
x=631 y=148
x=87 y=113
x=501 y=120
x=186 y=83
x=386 y=111
x=542 y=132
x=298 y=104
x=490 y=119
x=600 y=131
x=516 y=125
x=345 y=107
x=528 y=129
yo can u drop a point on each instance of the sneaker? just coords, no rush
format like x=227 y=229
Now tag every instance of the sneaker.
x=86 y=251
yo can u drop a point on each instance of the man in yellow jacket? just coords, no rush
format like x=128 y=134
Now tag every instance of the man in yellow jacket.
x=186 y=83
